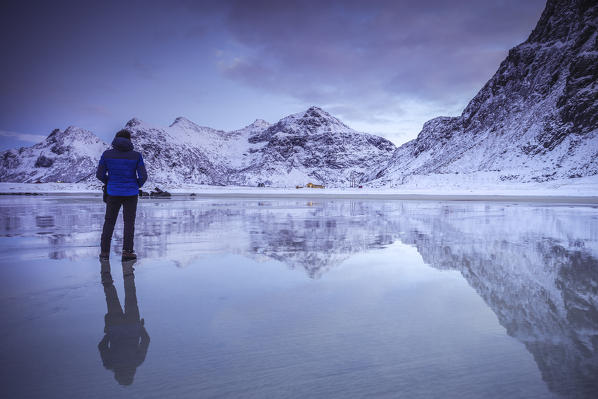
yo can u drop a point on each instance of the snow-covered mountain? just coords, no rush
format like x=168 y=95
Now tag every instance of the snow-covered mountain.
x=180 y=153
x=535 y=120
x=69 y=156
x=308 y=146
x=186 y=153
x=312 y=146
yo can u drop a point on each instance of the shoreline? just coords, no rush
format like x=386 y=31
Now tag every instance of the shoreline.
x=572 y=191
x=315 y=195
x=413 y=197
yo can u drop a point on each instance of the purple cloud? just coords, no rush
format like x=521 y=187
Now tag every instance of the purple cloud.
x=383 y=66
x=371 y=54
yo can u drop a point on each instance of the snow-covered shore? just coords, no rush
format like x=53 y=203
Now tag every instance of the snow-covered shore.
x=570 y=190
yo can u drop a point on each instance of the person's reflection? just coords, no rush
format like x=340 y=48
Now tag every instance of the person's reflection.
x=125 y=341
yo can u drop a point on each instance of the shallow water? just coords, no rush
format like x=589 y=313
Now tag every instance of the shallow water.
x=292 y=298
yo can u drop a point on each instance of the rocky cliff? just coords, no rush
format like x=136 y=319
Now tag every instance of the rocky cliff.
x=536 y=119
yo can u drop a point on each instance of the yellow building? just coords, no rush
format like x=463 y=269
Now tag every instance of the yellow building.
x=311 y=185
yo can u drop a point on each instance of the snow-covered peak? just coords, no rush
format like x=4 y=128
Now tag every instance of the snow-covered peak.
x=259 y=123
x=68 y=156
x=134 y=122
x=69 y=132
x=258 y=126
x=75 y=131
x=318 y=119
x=318 y=112
x=313 y=121
x=73 y=138
x=183 y=122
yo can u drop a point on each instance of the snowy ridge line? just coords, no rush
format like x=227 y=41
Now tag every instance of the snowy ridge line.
x=310 y=146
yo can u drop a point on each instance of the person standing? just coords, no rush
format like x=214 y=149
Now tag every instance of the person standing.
x=123 y=172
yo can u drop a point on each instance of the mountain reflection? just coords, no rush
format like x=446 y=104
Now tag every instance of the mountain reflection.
x=536 y=267
x=124 y=345
x=543 y=293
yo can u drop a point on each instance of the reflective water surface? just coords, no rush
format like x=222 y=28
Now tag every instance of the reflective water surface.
x=293 y=298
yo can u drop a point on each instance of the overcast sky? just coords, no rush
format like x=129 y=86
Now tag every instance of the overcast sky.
x=383 y=67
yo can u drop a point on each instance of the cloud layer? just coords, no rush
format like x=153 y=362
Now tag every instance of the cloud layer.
x=29 y=138
x=375 y=60
x=383 y=66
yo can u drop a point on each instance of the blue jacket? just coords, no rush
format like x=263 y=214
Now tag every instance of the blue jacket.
x=122 y=169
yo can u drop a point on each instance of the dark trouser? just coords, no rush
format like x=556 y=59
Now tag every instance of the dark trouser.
x=113 y=205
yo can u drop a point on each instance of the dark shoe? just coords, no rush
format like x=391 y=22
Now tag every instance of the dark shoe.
x=128 y=255
x=104 y=256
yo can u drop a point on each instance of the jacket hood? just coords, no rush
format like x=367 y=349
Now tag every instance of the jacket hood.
x=122 y=144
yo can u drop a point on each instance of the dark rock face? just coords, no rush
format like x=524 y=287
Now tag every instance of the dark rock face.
x=579 y=105
x=43 y=162
x=561 y=48
x=9 y=160
x=58 y=150
x=537 y=116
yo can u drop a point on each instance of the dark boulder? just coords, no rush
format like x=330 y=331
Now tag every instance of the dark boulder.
x=157 y=193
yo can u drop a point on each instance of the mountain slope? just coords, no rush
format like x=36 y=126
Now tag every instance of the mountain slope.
x=186 y=153
x=307 y=146
x=536 y=119
x=313 y=146
x=179 y=154
x=69 y=156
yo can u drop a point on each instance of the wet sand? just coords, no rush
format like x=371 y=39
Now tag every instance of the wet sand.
x=406 y=197
x=560 y=199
